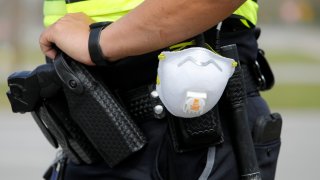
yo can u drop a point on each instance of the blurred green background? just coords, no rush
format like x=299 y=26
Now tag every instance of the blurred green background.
x=290 y=36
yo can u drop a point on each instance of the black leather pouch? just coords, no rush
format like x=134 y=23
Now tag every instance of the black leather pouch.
x=189 y=134
x=267 y=128
x=267 y=141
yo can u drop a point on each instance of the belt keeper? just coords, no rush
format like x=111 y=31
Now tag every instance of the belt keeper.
x=143 y=103
x=158 y=109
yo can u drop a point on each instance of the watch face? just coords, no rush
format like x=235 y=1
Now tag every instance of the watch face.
x=99 y=24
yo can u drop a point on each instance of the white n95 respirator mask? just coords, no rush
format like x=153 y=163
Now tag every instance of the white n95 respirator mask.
x=190 y=82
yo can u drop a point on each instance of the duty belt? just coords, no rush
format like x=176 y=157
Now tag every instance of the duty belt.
x=142 y=103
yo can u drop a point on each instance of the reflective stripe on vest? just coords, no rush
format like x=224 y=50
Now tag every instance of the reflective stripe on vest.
x=249 y=12
x=112 y=10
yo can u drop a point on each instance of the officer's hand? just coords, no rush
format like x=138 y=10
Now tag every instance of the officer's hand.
x=70 y=34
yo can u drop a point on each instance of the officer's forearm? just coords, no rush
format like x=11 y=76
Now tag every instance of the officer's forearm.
x=156 y=24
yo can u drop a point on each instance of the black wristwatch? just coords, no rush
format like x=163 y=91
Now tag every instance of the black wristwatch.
x=95 y=51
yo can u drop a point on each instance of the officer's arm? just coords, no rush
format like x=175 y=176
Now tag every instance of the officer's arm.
x=157 y=24
x=153 y=25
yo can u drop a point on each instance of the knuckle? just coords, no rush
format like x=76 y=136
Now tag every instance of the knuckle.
x=42 y=37
x=57 y=27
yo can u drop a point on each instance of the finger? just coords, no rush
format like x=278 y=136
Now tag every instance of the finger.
x=47 y=44
x=51 y=53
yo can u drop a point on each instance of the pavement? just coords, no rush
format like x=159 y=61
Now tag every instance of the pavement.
x=25 y=153
x=299 y=156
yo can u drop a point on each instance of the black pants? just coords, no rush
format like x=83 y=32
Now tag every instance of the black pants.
x=158 y=160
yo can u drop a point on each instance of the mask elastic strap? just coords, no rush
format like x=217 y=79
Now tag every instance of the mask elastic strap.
x=217 y=43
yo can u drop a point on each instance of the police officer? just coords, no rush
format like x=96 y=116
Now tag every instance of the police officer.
x=139 y=30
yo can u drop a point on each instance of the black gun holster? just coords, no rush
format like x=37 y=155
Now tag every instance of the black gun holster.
x=52 y=116
x=83 y=116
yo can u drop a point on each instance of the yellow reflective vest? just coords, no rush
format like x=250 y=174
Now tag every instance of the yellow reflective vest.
x=111 y=10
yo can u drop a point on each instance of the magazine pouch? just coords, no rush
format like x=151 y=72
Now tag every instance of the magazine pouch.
x=189 y=134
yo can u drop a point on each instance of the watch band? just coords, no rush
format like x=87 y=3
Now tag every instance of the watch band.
x=95 y=51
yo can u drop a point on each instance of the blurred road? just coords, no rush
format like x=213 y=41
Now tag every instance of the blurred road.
x=25 y=154
x=24 y=151
x=299 y=156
